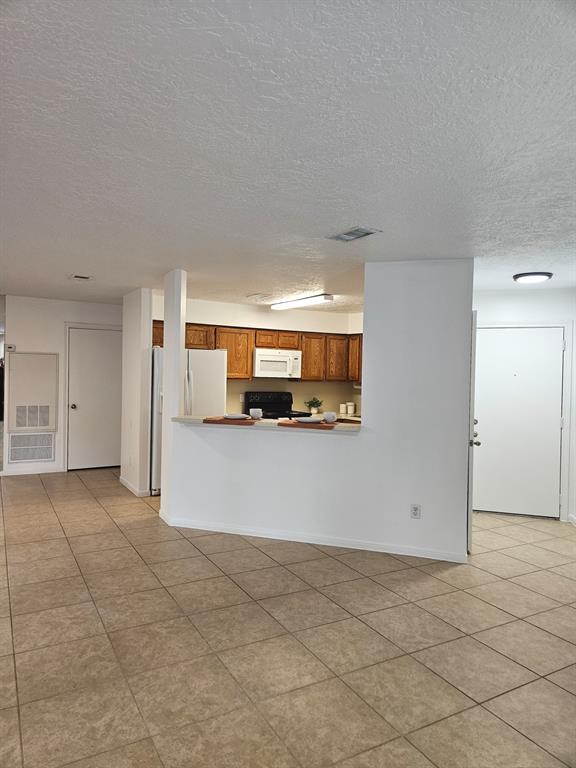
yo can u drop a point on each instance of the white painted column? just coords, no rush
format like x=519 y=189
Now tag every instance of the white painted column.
x=136 y=381
x=172 y=372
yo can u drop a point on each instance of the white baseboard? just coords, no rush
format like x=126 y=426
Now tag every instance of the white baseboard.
x=133 y=489
x=36 y=469
x=375 y=546
x=572 y=519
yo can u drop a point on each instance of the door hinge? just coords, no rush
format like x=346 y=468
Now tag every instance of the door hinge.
x=564 y=345
x=561 y=422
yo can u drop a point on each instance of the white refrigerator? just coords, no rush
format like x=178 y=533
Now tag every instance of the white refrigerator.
x=204 y=395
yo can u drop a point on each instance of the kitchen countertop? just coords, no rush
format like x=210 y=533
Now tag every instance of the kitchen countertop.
x=269 y=424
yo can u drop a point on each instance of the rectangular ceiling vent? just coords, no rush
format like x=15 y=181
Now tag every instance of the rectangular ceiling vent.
x=31 y=447
x=353 y=234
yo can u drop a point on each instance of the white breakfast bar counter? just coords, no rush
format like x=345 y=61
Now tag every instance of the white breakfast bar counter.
x=269 y=424
x=319 y=486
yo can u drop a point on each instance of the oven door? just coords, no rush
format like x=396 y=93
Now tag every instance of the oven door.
x=275 y=364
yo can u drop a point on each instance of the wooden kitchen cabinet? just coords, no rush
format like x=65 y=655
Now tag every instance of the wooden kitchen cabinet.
x=266 y=339
x=313 y=347
x=355 y=357
x=200 y=336
x=197 y=336
x=336 y=358
x=240 y=345
x=277 y=339
x=157 y=333
x=288 y=340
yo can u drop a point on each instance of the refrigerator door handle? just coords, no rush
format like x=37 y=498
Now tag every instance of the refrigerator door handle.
x=188 y=393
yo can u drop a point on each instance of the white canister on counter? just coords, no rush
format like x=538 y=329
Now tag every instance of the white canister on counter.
x=330 y=417
x=343 y=409
x=350 y=408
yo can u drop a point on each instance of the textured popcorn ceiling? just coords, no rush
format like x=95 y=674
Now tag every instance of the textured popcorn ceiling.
x=230 y=138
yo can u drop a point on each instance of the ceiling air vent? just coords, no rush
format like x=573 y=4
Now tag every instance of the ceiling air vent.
x=353 y=234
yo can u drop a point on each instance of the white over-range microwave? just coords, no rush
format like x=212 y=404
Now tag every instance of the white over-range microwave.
x=277 y=363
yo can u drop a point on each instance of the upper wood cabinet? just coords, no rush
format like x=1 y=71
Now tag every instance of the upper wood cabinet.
x=200 y=336
x=240 y=345
x=313 y=356
x=288 y=340
x=157 y=333
x=355 y=357
x=197 y=336
x=336 y=358
x=267 y=339
x=277 y=339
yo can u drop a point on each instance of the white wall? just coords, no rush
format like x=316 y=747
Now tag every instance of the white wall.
x=39 y=325
x=547 y=306
x=356 y=489
x=136 y=378
x=250 y=316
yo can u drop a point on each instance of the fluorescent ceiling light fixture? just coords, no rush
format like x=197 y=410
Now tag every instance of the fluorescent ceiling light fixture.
x=353 y=234
x=532 y=277
x=322 y=298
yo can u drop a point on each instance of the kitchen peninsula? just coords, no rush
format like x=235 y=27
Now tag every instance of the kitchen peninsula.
x=356 y=489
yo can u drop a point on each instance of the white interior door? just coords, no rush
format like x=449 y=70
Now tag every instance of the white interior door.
x=94 y=397
x=519 y=409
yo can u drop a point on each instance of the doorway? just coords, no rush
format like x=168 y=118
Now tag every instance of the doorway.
x=518 y=405
x=94 y=397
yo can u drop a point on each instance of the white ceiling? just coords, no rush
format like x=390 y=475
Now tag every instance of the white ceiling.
x=230 y=137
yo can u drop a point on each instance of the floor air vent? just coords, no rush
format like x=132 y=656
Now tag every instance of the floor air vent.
x=31 y=447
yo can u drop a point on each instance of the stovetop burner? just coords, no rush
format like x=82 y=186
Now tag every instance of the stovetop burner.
x=274 y=405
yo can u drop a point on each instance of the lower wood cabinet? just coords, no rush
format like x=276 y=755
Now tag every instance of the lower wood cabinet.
x=355 y=357
x=240 y=345
x=313 y=356
x=336 y=358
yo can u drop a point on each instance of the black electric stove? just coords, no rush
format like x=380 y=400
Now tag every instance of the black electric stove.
x=275 y=405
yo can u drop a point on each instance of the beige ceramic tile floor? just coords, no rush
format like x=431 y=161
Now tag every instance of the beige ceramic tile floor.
x=128 y=644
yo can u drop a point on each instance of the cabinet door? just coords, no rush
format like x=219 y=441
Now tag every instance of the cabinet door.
x=157 y=333
x=240 y=345
x=199 y=336
x=288 y=339
x=355 y=357
x=313 y=356
x=336 y=358
x=267 y=339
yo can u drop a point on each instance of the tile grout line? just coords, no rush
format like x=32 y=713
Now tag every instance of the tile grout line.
x=16 y=693
x=290 y=632
x=120 y=667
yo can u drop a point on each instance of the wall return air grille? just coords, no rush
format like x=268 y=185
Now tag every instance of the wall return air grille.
x=32 y=416
x=31 y=447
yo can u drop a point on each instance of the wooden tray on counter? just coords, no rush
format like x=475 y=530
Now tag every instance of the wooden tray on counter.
x=304 y=425
x=229 y=422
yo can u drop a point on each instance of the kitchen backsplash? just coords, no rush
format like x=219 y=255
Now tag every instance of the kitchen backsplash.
x=332 y=393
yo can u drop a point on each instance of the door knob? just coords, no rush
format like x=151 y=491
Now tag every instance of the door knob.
x=475 y=442
x=73 y=406
x=475 y=421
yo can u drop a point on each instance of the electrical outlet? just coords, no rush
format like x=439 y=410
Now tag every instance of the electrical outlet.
x=415 y=511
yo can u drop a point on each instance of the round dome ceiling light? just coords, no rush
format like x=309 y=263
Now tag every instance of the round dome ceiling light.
x=532 y=277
